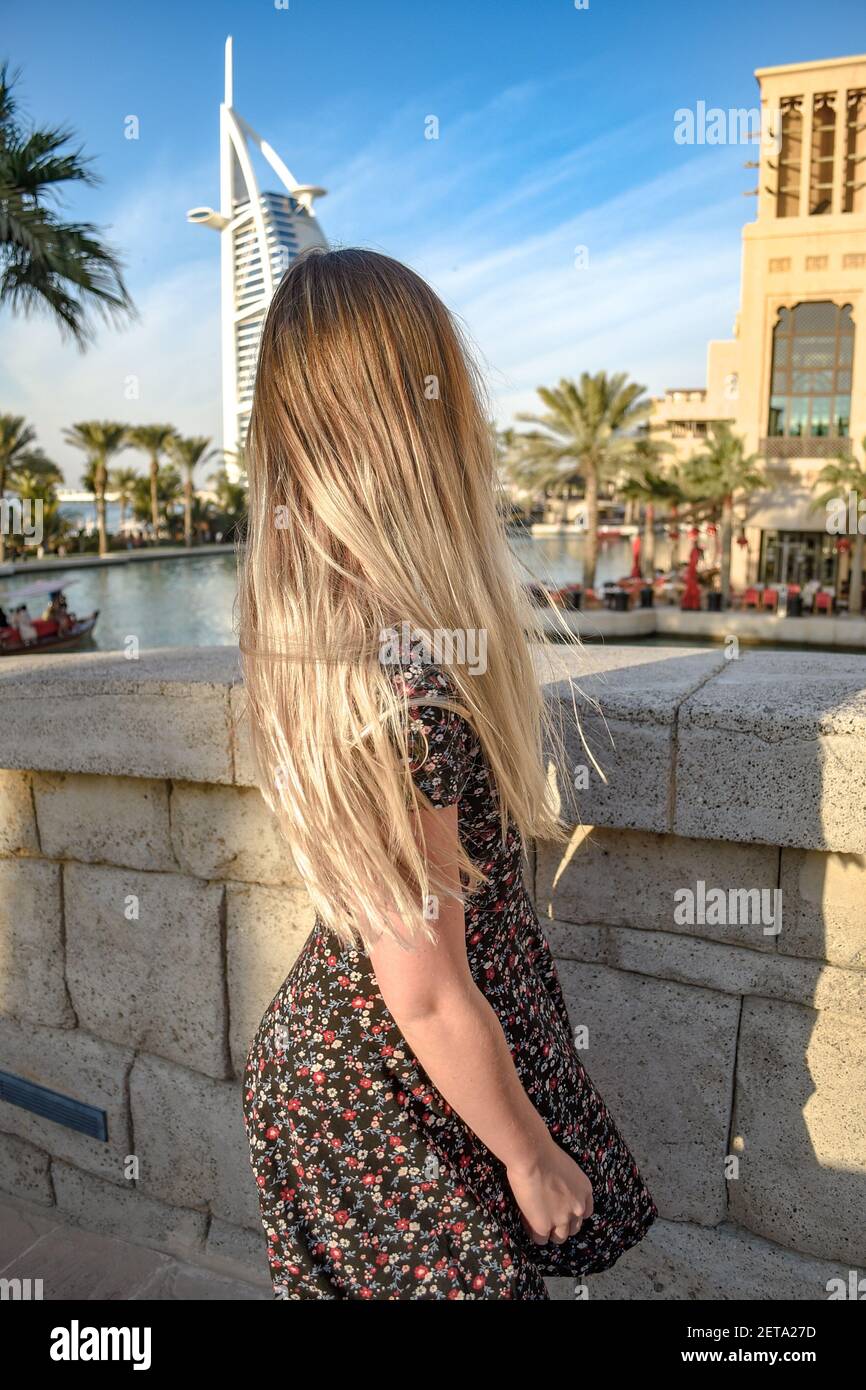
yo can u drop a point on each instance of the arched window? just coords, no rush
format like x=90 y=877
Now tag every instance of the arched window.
x=813 y=352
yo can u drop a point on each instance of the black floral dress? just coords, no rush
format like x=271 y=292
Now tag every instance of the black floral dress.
x=370 y=1185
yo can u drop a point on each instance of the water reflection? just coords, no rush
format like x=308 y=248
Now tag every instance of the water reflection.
x=179 y=603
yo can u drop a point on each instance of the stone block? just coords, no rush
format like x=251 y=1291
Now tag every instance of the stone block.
x=31 y=943
x=773 y=751
x=121 y=1209
x=76 y=1065
x=18 y=833
x=680 y=1262
x=241 y=1252
x=266 y=929
x=228 y=832
x=104 y=820
x=242 y=753
x=825 y=906
x=191 y=1141
x=164 y=715
x=800 y=1126
x=623 y=878
x=662 y=1057
x=711 y=965
x=626 y=702
x=145 y=962
x=25 y=1171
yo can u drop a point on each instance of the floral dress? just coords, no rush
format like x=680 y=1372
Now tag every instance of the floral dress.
x=370 y=1186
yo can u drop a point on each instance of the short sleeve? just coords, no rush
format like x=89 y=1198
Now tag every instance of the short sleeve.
x=442 y=743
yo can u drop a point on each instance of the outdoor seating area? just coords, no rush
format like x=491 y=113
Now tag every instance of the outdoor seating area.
x=793 y=599
x=669 y=590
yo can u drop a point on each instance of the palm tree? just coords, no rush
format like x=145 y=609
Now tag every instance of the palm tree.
x=16 y=446
x=99 y=440
x=237 y=458
x=152 y=440
x=515 y=496
x=715 y=478
x=847 y=475
x=45 y=261
x=653 y=490
x=585 y=432
x=188 y=454
x=231 y=499
x=36 y=480
x=169 y=491
x=122 y=481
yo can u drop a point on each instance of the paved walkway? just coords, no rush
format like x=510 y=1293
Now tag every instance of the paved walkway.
x=37 y=1243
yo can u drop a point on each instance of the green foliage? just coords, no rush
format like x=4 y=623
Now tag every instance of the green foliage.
x=47 y=262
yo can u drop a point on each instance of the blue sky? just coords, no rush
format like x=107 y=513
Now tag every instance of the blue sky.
x=556 y=132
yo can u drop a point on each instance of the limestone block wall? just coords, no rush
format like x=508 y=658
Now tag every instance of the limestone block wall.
x=149 y=913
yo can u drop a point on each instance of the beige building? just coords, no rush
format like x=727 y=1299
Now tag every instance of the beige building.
x=792 y=380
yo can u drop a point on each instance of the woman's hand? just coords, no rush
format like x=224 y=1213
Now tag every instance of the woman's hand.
x=554 y=1195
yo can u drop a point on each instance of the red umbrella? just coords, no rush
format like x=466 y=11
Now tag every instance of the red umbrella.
x=692 y=594
x=635 y=564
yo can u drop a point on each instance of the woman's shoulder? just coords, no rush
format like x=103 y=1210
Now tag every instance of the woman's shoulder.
x=444 y=742
x=418 y=678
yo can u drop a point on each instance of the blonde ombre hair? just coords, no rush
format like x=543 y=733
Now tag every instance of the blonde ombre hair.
x=372 y=508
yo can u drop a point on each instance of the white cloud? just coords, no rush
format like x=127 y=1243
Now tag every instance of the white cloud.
x=173 y=352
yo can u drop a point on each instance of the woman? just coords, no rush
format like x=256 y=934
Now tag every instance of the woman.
x=420 y=1124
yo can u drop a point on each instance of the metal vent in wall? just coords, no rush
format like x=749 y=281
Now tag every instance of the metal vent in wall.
x=51 y=1105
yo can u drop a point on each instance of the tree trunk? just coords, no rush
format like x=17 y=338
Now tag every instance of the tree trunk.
x=590 y=555
x=99 y=489
x=675 y=544
x=154 y=497
x=187 y=512
x=2 y=518
x=649 y=541
x=855 y=582
x=725 y=564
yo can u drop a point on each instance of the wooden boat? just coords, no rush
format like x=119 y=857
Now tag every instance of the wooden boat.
x=50 y=637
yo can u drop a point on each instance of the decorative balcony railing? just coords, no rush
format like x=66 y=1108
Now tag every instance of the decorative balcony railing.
x=804 y=447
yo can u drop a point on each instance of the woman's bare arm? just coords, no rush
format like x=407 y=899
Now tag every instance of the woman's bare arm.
x=458 y=1039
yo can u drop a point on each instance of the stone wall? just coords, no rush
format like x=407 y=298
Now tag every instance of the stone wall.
x=148 y=914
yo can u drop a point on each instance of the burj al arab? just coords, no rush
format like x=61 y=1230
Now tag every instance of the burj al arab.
x=261 y=233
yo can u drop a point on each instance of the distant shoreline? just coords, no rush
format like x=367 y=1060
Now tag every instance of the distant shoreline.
x=114 y=557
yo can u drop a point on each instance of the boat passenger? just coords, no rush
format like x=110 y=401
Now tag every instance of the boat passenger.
x=22 y=621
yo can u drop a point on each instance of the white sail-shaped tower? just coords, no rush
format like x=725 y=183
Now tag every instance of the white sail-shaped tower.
x=261 y=233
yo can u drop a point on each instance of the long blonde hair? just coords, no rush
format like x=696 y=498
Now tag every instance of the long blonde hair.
x=372 y=505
